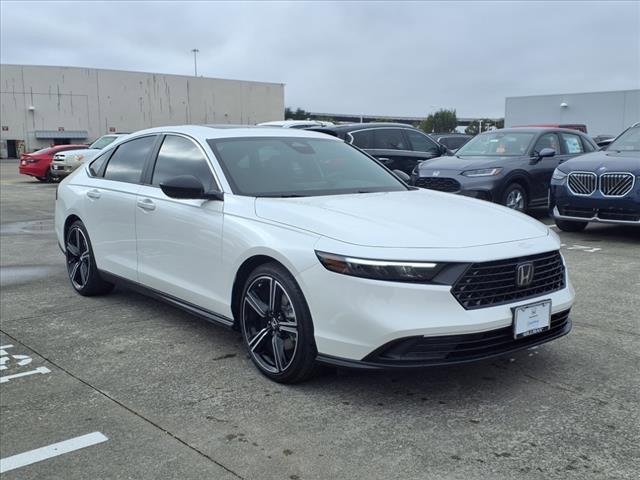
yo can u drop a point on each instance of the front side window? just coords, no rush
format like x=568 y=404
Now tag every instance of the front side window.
x=548 y=140
x=572 y=144
x=127 y=162
x=290 y=166
x=627 y=141
x=389 y=139
x=422 y=143
x=497 y=144
x=180 y=156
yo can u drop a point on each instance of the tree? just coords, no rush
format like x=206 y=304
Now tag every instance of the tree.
x=487 y=124
x=442 y=121
x=299 y=114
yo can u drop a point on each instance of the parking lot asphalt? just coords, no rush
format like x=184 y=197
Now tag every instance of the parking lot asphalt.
x=176 y=397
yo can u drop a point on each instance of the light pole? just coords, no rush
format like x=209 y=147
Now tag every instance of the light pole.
x=195 y=61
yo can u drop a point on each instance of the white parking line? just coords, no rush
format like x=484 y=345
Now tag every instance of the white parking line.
x=53 y=450
x=6 y=378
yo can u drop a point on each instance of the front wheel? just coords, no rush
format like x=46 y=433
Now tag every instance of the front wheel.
x=570 y=226
x=515 y=197
x=276 y=325
x=81 y=265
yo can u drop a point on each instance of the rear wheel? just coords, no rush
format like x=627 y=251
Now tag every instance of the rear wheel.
x=515 y=197
x=46 y=179
x=276 y=325
x=81 y=265
x=570 y=225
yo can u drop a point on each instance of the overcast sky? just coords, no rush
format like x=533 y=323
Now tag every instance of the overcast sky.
x=381 y=58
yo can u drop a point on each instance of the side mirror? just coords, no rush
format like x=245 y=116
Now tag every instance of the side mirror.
x=546 y=153
x=402 y=175
x=188 y=187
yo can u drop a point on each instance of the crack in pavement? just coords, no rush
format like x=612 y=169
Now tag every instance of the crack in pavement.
x=129 y=409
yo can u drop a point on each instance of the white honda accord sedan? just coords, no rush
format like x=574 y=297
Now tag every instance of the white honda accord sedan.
x=312 y=249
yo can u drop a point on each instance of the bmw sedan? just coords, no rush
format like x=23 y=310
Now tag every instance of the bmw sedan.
x=512 y=166
x=601 y=187
x=311 y=249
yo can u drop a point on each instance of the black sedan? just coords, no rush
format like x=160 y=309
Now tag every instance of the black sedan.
x=512 y=166
x=599 y=187
x=397 y=146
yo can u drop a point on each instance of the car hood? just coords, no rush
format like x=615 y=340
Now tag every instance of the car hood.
x=604 y=161
x=460 y=163
x=409 y=219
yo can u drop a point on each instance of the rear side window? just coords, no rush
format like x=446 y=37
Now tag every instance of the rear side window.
x=422 y=143
x=180 y=156
x=588 y=147
x=389 y=139
x=127 y=162
x=572 y=144
x=95 y=167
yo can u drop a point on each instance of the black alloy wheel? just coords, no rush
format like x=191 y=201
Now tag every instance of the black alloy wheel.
x=81 y=266
x=276 y=325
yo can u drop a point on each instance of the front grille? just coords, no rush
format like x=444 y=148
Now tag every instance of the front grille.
x=464 y=348
x=582 y=183
x=569 y=211
x=494 y=283
x=616 y=184
x=440 y=184
x=621 y=214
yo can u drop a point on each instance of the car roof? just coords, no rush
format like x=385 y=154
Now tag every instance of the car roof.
x=535 y=130
x=350 y=127
x=212 y=132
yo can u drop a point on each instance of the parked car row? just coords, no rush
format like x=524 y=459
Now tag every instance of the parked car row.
x=58 y=161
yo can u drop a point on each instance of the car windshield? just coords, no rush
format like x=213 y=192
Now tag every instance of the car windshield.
x=292 y=166
x=102 y=142
x=629 y=141
x=497 y=144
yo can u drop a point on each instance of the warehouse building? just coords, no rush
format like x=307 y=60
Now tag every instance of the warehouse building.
x=602 y=112
x=40 y=105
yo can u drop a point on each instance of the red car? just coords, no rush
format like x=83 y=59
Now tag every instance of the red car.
x=37 y=164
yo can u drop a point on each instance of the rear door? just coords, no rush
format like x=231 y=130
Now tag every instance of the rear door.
x=110 y=205
x=180 y=241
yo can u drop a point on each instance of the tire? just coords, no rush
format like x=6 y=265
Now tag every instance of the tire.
x=46 y=179
x=277 y=328
x=81 y=264
x=515 y=197
x=570 y=225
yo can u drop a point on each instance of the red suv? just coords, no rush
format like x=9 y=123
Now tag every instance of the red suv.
x=37 y=164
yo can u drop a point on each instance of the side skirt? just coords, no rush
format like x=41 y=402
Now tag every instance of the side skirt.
x=164 y=297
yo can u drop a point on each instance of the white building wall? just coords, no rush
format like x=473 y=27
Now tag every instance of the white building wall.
x=99 y=100
x=601 y=112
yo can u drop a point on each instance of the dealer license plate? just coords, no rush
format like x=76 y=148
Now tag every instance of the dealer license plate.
x=531 y=319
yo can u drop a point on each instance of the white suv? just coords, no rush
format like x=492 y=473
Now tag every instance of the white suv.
x=66 y=162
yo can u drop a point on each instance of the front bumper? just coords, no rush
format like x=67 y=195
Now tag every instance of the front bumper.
x=483 y=188
x=60 y=169
x=564 y=205
x=357 y=319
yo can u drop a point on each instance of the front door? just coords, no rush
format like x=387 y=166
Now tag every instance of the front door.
x=180 y=241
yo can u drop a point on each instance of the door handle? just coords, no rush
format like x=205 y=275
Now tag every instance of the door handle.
x=383 y=160
x=146 y=204
x=95 y=194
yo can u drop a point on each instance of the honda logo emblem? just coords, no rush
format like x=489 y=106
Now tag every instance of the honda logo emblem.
x=524 y=274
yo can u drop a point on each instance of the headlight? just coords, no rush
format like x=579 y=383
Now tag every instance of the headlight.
x=78 y=158
x=390 y=270
x=485 y=172
x=559 y=174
